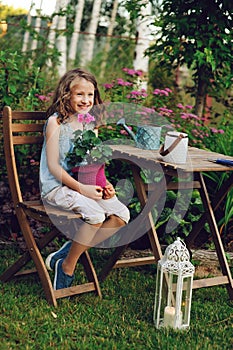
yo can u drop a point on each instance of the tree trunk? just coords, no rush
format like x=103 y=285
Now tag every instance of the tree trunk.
x=88 y=46
x=108 y=39
x=77 y=25
x=61 y=40
x=52 y=31
x=26 y=34
x=201 y=92
x=141 y=62
x=37 y=29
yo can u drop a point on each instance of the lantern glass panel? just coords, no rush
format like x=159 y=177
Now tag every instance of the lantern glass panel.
x=172 y=300
x=165 y=299
x=186 y=300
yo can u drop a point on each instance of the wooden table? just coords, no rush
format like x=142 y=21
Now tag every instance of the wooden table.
x=190 y=176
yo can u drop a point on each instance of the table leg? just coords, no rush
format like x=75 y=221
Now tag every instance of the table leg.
x=210 y=217
x=111 y=262
x=144 y=219
x=142 y=196
x=227 y=185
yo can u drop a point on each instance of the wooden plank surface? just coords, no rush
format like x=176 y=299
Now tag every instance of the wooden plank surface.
x=47 y=209
x=19 y=127
x=197 y=159
x=25 y=115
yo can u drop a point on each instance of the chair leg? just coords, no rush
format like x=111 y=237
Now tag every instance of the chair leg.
x=40 y=268
x=14 y=269
x=90 y=271
x=17 y=266
x=34 y=254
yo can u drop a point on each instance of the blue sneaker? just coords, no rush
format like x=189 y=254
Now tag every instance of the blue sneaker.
x=59 y=254
x=61 y=279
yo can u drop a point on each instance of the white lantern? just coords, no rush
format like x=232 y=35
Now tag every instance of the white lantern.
x=174 y=287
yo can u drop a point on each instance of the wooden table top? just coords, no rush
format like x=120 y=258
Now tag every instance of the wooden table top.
x=197 y=159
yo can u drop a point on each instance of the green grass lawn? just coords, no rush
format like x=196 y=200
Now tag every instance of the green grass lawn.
x=121 y=320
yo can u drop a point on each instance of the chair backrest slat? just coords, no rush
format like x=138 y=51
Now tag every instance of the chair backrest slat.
x=20 y=128
x=27 y=127
x=27 y=140
x=22 y=115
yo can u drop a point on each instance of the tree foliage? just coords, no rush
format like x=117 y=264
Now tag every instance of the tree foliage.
x=199 y=34
x=6 y=11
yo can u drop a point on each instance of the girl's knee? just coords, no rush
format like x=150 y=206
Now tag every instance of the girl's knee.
x=117 y=220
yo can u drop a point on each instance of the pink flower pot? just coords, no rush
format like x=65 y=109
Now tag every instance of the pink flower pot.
x=90 y=174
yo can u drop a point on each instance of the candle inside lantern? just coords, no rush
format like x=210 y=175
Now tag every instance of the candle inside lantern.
x=169 y=316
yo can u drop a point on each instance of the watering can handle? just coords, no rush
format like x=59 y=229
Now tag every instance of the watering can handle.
x=164 y=152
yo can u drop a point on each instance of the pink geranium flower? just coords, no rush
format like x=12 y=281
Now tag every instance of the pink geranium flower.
x=86 y=118
x=80 y=118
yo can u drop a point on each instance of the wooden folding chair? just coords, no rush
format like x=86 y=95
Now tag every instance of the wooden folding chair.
x=26 y=128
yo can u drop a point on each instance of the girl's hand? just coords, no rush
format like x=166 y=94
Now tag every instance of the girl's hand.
x=91 y=191
x=108 y=191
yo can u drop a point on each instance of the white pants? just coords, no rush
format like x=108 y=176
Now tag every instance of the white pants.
x=92 y=211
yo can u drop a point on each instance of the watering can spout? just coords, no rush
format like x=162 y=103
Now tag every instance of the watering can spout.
x=121 y=121
x=129 y=131
x=147 y=136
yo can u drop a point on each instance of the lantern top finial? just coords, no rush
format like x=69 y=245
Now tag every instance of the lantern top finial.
x=176 y=258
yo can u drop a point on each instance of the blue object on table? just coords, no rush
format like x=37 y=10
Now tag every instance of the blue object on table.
x=227 y=162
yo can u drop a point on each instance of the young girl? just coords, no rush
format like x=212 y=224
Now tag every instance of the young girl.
x=76 y=93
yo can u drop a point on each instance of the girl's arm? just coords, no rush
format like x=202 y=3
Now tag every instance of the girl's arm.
x=52 y=152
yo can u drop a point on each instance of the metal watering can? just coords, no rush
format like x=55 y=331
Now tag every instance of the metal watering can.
x=175 y=147
x=147 y=136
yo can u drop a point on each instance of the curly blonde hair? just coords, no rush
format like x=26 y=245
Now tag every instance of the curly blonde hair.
x=61 y=100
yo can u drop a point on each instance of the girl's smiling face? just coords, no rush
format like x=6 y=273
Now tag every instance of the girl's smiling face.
x=82 y=95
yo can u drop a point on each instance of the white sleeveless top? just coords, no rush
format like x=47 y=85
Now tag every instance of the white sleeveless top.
x=47 y=181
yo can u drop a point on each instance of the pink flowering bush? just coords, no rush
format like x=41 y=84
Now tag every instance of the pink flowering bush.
x=43 y=101
x=163 y=103
x=182 y=118
x=125 y=89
